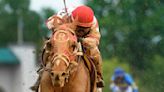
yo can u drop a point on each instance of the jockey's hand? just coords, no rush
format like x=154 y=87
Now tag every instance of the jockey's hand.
x=89 y=42
x=115 y=89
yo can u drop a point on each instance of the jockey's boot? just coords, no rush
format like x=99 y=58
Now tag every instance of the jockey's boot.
x=35 y=87
x=98 y=64
x=100 y=81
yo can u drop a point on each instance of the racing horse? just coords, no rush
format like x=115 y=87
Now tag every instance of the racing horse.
x=65 y=71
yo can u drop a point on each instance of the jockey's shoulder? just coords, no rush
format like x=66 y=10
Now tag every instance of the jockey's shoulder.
x=127 y=74
x=95 y=22
x=129 y=78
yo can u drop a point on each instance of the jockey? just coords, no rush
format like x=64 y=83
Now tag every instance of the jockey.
x=122 y=81
x=87 y=31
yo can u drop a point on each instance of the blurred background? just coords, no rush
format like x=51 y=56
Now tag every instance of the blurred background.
x=132 y=38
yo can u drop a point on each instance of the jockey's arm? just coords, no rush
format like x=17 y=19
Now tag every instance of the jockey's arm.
x=135 y=88
x=91 y=42
x=113 y=87
x=130 y=81
x=93 y=38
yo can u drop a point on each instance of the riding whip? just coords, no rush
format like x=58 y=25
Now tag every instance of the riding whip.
x=65 y=7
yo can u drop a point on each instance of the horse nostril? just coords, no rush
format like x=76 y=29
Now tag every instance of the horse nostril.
x=57 y=77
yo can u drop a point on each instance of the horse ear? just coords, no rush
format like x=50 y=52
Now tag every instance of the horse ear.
x=73 y=24
x=57 y=21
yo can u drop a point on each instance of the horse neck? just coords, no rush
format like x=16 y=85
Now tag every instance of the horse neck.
x=80 y=70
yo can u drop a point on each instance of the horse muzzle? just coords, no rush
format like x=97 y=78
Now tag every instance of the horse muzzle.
x=59 y=78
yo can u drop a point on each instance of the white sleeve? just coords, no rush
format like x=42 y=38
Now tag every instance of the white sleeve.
x=95 y=24
x=62 y=12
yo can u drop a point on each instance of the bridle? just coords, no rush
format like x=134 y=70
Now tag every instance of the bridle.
x=65 y=56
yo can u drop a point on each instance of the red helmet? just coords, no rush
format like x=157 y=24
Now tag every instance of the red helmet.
x=84 y=16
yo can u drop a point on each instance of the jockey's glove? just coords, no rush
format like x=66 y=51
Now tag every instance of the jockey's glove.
x=89 y=42
x=115 y=89
x=80 y=39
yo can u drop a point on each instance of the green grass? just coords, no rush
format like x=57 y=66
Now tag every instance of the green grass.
x=108 y=69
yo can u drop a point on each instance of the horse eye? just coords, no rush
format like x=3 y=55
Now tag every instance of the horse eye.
x=52 y=73
x=73 y=47
x=63 y=74
x=49 y=45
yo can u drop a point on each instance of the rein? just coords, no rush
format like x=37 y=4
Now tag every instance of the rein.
x=42 y=63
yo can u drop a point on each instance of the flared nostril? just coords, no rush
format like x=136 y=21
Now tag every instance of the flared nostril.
x=57 y=77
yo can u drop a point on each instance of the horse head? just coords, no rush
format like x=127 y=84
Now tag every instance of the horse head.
x=64 y=51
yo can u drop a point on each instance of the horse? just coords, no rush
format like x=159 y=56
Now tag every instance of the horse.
x=66 y=70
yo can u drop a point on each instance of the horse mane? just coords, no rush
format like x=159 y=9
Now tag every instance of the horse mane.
x=65 y=22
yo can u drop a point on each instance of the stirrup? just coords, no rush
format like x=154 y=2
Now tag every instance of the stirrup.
x=100 y=84
x=34 y=88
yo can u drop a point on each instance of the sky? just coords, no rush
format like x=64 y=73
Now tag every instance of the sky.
x=57 y=5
